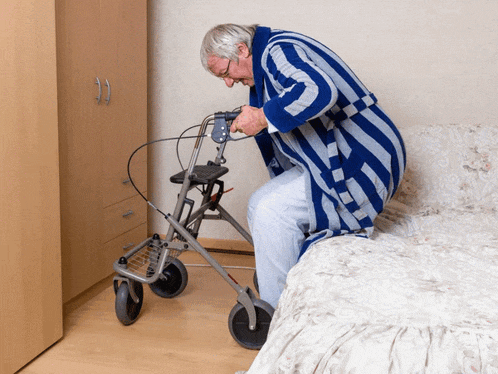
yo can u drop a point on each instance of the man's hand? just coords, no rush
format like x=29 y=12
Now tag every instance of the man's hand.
x=250 y=121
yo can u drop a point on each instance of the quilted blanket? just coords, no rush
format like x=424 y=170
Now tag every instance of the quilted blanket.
x=420 y=296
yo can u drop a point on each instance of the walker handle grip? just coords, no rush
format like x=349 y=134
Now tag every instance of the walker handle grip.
x=230 y=116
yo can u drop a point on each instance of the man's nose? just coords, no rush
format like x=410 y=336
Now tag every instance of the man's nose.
x=229 y=82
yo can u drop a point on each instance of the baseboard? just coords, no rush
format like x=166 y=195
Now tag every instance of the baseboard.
x=227 y=245
x=224 y=245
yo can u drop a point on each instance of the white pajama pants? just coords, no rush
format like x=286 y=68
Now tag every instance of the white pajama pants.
x=278 y=217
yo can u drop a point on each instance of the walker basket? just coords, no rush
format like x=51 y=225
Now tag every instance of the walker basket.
x=145 y=262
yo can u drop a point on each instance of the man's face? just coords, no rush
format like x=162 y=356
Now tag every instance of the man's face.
x=231 y=71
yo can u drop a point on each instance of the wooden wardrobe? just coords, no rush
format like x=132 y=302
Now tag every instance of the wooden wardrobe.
x=102 y=96
x=30 y=266
x=67 y=207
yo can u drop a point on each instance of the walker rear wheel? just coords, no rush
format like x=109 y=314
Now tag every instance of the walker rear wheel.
x=173 y=280
x=255 y=281
x=238 y=323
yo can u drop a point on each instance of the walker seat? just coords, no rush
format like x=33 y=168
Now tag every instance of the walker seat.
x=202 y=174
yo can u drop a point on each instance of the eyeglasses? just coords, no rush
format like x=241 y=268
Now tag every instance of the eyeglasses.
x=227 y=72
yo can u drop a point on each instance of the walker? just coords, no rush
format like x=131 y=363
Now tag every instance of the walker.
x=155 y=262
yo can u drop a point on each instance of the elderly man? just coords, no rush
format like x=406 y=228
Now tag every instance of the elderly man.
x=334 y=156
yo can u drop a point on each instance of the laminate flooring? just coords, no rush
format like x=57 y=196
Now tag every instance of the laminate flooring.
x=185 y=335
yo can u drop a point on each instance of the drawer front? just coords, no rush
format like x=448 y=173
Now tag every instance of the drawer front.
x=117 y=186
x=117 y=247
x=124 y=216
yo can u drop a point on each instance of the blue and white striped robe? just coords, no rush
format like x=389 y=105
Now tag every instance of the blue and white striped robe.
x=324 y=119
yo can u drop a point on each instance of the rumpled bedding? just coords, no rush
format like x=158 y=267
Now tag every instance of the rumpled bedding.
x=420 y=296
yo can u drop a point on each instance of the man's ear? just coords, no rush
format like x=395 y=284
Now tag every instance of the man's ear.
x=243 y=50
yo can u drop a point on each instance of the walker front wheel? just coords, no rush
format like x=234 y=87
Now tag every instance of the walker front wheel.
x=127 y=310
x=238 y=323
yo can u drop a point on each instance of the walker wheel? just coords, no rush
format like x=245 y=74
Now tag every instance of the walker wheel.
x=238 y=323
x=255 y=281
x=172 y=282
x=127 y=310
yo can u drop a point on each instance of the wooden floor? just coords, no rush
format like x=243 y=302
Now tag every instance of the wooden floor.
x=185 y=335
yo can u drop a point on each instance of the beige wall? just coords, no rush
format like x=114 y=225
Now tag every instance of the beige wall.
x=428 y=61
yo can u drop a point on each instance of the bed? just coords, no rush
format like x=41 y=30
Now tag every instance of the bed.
x=420 y=296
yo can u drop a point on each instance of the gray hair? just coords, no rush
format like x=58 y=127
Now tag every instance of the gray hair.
x=221 y=41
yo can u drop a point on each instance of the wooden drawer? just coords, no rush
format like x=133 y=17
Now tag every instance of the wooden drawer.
x=117 y=247
x=124 y=216
x=117 y=186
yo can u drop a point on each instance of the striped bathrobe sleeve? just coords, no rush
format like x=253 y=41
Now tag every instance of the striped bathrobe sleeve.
x=299 y=89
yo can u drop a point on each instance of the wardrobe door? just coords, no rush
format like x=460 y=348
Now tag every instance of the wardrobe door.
x=124 y=56
x=81 y=103
x=30 y=266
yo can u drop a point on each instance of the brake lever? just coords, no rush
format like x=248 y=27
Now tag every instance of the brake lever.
x=221 y=130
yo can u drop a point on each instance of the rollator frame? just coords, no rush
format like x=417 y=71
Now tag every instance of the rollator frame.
x=146 y=262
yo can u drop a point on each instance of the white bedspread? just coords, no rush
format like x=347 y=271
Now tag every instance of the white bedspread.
x=421 y=296
x=388 y=306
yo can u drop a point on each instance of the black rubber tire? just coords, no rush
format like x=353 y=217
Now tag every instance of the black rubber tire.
x=238 y=324
x=255 y=281
x=174 y=282
x=127 y=310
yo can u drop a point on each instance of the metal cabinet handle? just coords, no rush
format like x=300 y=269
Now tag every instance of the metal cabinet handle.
x=128 y=246
x=128 y=213
x=108 y=98
x=97 y=81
